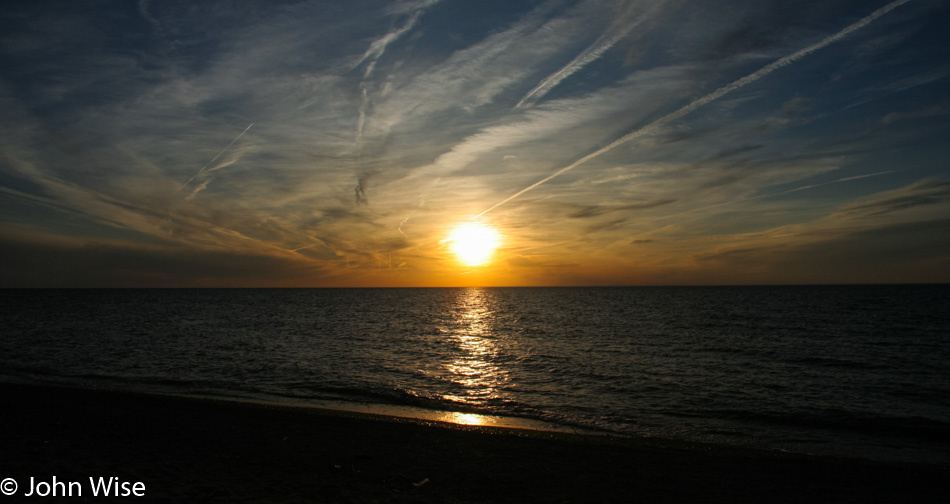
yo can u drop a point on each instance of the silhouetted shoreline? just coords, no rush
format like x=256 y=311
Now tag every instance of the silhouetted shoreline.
x=214 y=451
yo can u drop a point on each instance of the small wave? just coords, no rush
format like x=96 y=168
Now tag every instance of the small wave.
x=908 y=427
x=836 y=363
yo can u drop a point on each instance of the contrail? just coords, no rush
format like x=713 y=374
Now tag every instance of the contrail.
x=373 y=54
x=400 y=227
x=422 y=202
x=590 y=54
x=378 y=47
x=761 y=196
x=205 y=167
x=587 y=56
x=728 y=88
x=845 y=179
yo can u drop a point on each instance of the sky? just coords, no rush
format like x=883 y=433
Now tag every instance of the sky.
x=601 y=142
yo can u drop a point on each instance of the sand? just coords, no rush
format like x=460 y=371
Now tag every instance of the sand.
x=191 y=450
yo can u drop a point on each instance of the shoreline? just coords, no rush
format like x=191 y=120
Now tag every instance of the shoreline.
x=213 y=450
x=410 y=413
x=380 y=411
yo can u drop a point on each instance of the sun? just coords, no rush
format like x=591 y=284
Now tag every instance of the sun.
x=473 y=243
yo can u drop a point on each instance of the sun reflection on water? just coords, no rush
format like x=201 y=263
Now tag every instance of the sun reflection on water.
x=466 y=419
x=476 y=370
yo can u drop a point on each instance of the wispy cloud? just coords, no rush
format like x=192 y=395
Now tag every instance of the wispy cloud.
x=592 y=53
x=376 y=51
x=370 y=129
x=762 y=72
x=378 y=47
x=924 y=193
x=598 y=210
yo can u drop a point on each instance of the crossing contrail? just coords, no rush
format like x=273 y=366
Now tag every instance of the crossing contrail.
x=728 y=88
x=205 y=167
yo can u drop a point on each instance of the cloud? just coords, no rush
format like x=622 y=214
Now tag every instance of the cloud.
x=378 y=47
x=927 y=112
x=535 y=262
x=748 y=79
x=376 y=51
x=924 y=193
x=563 y=117
x=61 y=262
x=618 y=30
x=361 y=190
x=598 y=210
x=904 y=252
x=470 y=78
x=376 y=126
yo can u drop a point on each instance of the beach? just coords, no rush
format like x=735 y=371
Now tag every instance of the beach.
x=197 y=450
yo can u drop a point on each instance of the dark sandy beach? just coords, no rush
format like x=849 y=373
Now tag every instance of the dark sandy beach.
x=190 y=450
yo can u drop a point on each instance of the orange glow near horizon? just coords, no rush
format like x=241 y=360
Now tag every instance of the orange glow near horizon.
x=474 y=243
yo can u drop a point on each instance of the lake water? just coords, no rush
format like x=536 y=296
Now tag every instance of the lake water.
x=840 y=370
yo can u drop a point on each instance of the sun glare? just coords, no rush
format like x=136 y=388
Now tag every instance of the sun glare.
x=473 y=243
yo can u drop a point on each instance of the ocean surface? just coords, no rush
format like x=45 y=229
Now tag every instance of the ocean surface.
x=834 y=370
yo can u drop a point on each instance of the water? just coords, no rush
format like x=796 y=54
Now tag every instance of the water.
x=854 y=371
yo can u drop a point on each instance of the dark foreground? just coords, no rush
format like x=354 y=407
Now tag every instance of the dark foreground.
x=190 y=450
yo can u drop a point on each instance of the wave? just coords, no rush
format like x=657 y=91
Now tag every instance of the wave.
x=927 y=429
x=837 y=363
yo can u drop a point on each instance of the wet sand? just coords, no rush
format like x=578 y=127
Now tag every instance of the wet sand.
x=191 y=450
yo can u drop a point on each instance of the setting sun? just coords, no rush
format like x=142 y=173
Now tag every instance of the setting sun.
x=474 y=243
